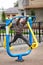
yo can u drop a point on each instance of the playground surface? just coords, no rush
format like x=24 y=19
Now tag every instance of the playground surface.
x=34 y=58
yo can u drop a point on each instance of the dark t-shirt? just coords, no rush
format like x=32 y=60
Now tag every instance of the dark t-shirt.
x=19 y=28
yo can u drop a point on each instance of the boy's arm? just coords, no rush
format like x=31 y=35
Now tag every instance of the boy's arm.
x=17 y=21
x=25 y=26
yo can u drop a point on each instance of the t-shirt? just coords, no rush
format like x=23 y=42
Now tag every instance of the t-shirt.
x=19 y=28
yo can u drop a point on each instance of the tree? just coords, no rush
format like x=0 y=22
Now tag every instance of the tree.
x=32 y=13
x=3 y=16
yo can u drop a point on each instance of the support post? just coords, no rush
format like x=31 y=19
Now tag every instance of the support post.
x=30 y=35
x=20 y=59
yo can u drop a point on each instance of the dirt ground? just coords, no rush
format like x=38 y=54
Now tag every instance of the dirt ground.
x=34 y=58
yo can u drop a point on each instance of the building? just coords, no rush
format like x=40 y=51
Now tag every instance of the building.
x=10 y=12
x=36 y=5
x=20 y=6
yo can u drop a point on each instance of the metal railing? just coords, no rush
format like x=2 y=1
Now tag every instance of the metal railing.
x=37 y=29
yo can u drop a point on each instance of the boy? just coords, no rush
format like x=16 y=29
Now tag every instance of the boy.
x=18 y=28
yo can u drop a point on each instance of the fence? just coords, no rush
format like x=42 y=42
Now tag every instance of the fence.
x=37 y=28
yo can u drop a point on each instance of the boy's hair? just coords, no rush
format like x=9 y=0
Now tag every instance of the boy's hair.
x=22 y=14
x=26 y=18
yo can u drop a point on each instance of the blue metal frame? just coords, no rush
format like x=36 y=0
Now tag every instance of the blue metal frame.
x=30 y=35
x=7 y=40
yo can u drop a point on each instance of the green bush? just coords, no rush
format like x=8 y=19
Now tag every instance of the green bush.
x=3 y=16
x=32 y=13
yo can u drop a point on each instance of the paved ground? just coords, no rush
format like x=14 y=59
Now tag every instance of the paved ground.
x=35 y=57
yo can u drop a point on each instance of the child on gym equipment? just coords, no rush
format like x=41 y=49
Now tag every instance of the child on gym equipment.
x=18 y=28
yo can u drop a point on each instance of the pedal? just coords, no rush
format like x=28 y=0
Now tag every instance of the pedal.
x=34 y=45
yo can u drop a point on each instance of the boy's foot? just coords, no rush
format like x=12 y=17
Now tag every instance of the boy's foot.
x=12 y=47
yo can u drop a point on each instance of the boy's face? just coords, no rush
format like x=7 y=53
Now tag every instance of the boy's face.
x=23 y=22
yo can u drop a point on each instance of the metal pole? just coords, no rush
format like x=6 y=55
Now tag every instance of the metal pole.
x=39 y=33
x=30 y=35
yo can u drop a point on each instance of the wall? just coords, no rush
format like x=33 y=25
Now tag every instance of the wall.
x=36 y=2
x=38 y=13
x=20 y=4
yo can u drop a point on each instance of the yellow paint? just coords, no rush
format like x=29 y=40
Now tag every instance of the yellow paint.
x=10 y=25
x=4 y=44
x=34 y=45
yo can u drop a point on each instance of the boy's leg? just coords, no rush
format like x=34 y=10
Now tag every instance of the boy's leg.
x=27 y=42
x=15 y=38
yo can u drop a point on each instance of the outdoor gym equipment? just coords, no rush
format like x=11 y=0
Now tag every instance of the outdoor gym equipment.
x=31 y=35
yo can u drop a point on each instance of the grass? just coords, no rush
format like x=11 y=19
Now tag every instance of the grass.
x=11 y=31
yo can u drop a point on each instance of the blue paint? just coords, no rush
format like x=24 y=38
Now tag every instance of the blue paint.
x=30 y=35
x=8 y=21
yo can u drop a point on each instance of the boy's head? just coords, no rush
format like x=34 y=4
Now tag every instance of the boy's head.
x=22 y=14
x=24 y=21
